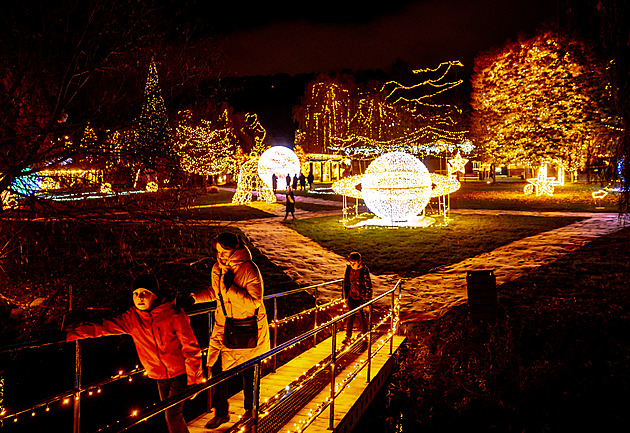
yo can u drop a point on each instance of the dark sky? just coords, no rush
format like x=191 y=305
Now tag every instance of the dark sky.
x=326 y=36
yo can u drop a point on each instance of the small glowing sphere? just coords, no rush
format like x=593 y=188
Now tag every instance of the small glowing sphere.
x=279 y=160
x=396 y=187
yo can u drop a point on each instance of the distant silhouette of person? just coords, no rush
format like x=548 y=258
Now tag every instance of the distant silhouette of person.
x=310 y=179
x=295 y=182
x=302 y=179
x=274 y=182
x=288 y=181
x=290 y=205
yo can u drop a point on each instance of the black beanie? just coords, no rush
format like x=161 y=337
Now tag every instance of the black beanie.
x=228 y=240
x=148 y=282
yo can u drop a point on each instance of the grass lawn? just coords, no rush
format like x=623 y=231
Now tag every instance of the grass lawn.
x=509 y=195
x=413 y=252
x=556 y=360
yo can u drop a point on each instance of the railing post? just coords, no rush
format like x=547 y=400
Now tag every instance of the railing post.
x=208 y=367
x=369 y=351
x=315 y=317
x=76 y=421
x=256 y=395
x=331 y=421
x=275 y=330
x=392 y=321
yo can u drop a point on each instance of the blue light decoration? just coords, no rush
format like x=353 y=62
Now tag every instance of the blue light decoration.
x=26 y=184
x=620 y=169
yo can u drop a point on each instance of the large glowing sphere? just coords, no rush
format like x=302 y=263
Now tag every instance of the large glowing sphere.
x=279 y=160
x=396 y=187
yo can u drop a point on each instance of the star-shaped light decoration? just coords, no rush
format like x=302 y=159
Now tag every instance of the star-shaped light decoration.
x=600 y=194
x=541 y=184
x=457 y=164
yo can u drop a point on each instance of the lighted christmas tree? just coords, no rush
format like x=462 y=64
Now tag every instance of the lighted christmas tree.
x=538 y=101
x=154 y=134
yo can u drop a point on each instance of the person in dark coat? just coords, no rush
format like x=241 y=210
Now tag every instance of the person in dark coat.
x=274 y=182
x=290 y=206
x=288 y=181
x=310 y=179
x=295 y=182
x=357 y=290
x=302 y=179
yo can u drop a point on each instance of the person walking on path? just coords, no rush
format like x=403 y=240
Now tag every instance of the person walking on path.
x=288 y=180
x=295 y=181
x=310 y=179
x=290 y=205
x=237 y=283
x=274 y=182
x=357 y=290
x=302 y=179
x=164 y=340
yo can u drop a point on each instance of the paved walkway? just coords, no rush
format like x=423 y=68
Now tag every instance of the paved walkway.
x=429 y=295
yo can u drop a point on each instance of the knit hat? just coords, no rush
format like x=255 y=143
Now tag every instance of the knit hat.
x=148 y=282
x=228 y=240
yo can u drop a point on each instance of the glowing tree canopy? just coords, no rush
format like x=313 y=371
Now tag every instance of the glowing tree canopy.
x=396 y=187
x=537 y=101
x=206 y=148
x=279 y=160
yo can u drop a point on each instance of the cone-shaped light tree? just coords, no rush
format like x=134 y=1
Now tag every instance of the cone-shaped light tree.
x=540 y=100
x=154 y=133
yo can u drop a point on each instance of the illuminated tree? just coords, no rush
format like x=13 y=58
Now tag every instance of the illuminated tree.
x=154 y=133
x=206 y=148
x=538 y=101
x=375 y=118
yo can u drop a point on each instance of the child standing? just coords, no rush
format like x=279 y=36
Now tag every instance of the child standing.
x=357 y=290
x=164 y=340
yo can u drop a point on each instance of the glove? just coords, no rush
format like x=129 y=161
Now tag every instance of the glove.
x=228 y=279
x=184 y=300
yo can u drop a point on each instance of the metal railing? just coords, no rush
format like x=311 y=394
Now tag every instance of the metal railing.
x=393 y=317
x=74 y=395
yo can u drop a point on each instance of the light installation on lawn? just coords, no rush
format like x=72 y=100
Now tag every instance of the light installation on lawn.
x=540 y=184
x=279 y=160
x=457 y=164
x=396 y=188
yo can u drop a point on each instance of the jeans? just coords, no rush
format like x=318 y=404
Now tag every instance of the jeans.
x=352 y=304
x=174 y=415
x=220 y=390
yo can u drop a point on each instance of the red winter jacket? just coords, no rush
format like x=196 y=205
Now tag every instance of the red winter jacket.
x=163 y=337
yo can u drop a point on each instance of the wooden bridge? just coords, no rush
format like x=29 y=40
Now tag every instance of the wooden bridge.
x=308 y=407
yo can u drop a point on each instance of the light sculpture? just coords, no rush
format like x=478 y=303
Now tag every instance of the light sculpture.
x=396 y=187
x=541 y=184
x=26 y=183
x=279 y=160
x=457 y=164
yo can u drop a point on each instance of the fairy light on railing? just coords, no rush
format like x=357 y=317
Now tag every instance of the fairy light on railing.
x=66 y=398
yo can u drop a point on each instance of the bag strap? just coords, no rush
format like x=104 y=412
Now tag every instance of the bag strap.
x=221 y=297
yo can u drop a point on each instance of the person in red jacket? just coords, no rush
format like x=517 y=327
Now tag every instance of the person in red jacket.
x=164 y=340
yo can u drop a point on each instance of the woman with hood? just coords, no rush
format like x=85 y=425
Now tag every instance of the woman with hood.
x=237 y=283
x=164 y=340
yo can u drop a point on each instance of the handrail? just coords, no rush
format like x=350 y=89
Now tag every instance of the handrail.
x=73 y=394
x=156 y=408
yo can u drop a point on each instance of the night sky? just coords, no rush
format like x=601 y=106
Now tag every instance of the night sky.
x=268 y=39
